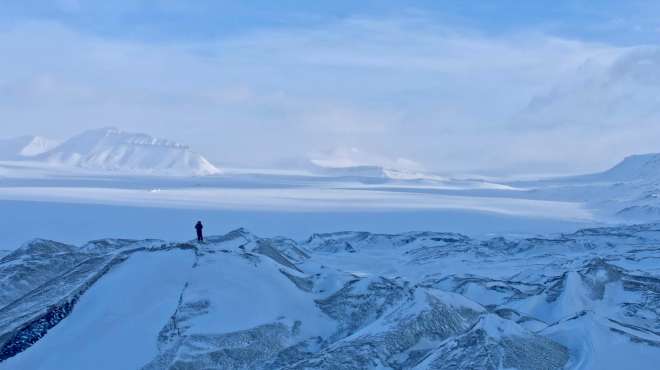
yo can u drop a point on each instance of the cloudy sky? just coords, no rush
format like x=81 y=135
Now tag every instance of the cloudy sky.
x=492 y=87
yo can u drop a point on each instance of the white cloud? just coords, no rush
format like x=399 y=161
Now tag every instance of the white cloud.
x=446 y=98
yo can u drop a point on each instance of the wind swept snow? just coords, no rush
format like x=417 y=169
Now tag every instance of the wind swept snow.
x=348 y=300
x=116 y=323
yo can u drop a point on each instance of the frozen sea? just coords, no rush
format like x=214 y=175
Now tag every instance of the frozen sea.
x=77 y=207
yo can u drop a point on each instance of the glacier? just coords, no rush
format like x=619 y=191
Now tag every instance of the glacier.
x=344 y=300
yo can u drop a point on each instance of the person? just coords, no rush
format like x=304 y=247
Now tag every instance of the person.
x=199 y=227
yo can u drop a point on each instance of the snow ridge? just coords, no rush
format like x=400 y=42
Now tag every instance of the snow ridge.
x=348 y=300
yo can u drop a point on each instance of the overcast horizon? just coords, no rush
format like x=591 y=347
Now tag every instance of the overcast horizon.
x=550 y=87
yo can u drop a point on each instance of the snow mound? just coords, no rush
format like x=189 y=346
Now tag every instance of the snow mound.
x=110 y=149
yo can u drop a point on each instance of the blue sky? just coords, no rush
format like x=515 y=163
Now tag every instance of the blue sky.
x=612 y=21
x=452 y=86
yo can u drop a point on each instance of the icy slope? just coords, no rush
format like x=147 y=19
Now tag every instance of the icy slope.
x=115 y=150
x=141 y=298
x=635 y=167
x=32 y=265
x=629 y=191
x=24 y=147
x=495 y=343
x=351 y=300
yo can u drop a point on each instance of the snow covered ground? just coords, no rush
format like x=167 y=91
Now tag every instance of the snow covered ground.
x=77 y=223
x=127 y=325
x=348 y=300
x=518 y=279
x=75 y=206
x=107 y=182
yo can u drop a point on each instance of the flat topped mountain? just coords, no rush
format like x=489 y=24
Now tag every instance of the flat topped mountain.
x=115 y=150
x=641 y=166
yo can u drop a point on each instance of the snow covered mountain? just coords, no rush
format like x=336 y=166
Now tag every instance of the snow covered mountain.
x=349 y=300
x=629 y=191
x=374 y=173
x=24 y=147
x=354 y=163
x=114 y=150
x=635 y=167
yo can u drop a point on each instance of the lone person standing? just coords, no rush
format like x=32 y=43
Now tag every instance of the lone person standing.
x=199 y=227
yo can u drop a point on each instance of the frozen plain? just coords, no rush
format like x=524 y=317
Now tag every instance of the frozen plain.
x=531 y=284
x=89 y=205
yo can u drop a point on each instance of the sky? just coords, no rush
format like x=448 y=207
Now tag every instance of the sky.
x=486 y=87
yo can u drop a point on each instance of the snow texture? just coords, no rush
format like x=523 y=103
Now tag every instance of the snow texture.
x=348 y=300
x=114 y=150
x=24 y=147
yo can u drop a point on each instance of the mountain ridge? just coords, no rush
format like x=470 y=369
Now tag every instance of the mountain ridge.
x=111 y=149
x=344 y=300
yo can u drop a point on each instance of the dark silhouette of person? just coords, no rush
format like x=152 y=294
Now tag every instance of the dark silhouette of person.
x=199 y=227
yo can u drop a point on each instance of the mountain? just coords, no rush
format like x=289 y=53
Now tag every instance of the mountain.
x=110 y=149
x=629 y=191
x=635 y=167
x=348 y=300
x=373 y=172
x=24 y=147
x=354 y=163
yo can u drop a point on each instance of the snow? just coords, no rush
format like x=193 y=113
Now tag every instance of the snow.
x=115 y=150
x=116 y=323
x=295 y=199
x=247 y=294
x=503 y=286
x=594 y=347
x=36 y=146
x=588 y=294
x=635 y=167
x=78 y=223
x=116 y=168
x=113 y=205
x=24 y=147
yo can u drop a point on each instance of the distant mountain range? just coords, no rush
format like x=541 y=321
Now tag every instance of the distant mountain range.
x=110 y=149
x=24 y=147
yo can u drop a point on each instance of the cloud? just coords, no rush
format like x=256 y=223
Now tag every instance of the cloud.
x=446 y=97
